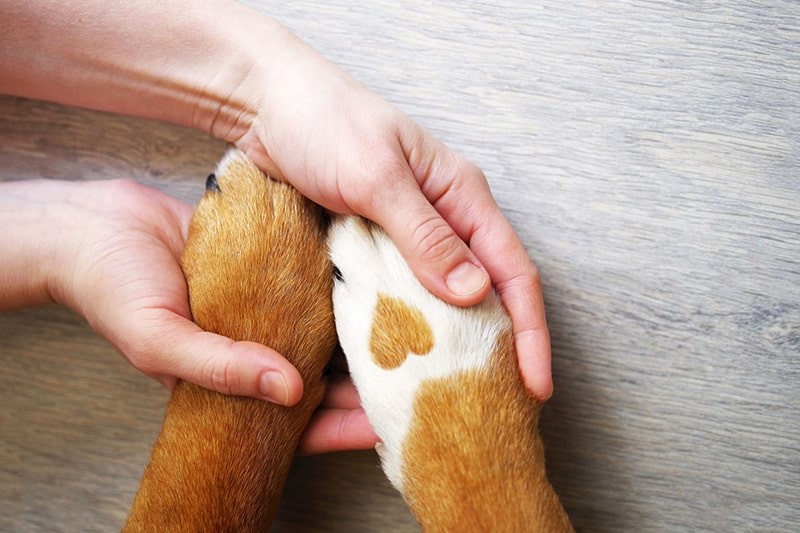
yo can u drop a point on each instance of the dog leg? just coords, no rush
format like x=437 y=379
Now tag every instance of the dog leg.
x=257 y=269
x=441 y=387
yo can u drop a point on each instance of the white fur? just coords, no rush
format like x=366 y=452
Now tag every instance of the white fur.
x=463 y=338
x=232 y=156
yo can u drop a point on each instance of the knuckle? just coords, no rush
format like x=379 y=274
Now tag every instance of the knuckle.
x=528 y=282
x=145 y=363
x=471 y=177
x=388 y=172
x=143 y=353
x=534 y=279
x=221 y=377
x=343 y=428
x=384 y=176
x=471 y=169
x=434 y=241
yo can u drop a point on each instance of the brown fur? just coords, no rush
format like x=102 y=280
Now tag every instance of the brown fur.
x=257 y=269
x=398 y=330
x=474 y=460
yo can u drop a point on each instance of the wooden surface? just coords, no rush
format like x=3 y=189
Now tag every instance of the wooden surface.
x=648 y=153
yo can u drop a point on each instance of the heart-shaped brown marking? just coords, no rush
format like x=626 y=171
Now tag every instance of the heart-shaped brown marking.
x=398 y=330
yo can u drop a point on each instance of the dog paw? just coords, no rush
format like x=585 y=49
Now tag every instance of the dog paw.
x=397 y=335
x=257 y=266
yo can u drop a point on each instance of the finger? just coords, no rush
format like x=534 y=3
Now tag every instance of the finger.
x=518 y=284
x=461 y=194
x=341 y=394
x=441 y=261
x=177 y=347
x=335 y=430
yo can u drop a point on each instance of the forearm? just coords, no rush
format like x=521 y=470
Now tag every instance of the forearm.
x=197 y=64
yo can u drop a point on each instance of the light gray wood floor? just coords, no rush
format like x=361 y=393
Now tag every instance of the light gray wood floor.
x=648 y=153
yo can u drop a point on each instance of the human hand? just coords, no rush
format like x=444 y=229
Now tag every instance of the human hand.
x=110 y=250
x=229 y=70
x=352 y=152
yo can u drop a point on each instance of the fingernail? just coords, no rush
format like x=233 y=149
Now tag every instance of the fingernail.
x=466 y=279
x=273 y=386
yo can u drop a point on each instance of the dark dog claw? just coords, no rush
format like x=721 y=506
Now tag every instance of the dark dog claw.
x=211 y=183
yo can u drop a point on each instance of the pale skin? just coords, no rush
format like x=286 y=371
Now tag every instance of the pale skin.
x=110 y=250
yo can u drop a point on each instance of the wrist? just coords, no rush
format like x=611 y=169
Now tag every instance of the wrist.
x=244 y=47
x=35 y=218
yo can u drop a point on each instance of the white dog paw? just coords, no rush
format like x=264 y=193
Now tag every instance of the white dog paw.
x=396 y=335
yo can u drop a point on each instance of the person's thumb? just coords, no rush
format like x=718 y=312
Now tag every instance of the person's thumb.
x=439 y=258
x=180 y=349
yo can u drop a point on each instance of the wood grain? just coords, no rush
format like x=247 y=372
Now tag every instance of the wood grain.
x=648 y=154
